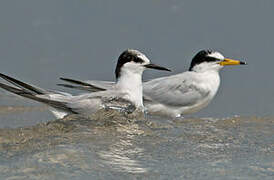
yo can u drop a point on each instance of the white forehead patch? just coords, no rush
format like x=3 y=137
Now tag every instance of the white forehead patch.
x=133 y=51
x=216 y=55
x=140 y=55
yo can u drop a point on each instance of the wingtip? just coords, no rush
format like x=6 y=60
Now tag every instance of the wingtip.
x=64 y=79
x=3 y=75
x=65 y=85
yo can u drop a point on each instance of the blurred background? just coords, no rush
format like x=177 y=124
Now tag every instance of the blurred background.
x=41 y=41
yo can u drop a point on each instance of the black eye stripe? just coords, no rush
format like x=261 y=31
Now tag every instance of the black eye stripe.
x=208 y=58
x=129 y=57
x=138 y=60
x=202 y=56
x=125 y=57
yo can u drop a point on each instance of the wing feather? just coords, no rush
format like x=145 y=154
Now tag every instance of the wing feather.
x=92 y=86
x=177 y=90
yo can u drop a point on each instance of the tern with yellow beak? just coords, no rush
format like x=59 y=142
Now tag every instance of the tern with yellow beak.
x=179 y=94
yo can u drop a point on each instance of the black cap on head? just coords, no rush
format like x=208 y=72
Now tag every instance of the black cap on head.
x=128 y=55
x=201 y=57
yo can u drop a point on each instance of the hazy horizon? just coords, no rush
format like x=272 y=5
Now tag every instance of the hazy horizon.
x=44 y=40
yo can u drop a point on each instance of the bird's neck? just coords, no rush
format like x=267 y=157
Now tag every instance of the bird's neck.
x=207 y=67
x=210 y=80
x=130 y=83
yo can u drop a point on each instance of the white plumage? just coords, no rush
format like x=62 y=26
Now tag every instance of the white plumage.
x=127 y=89
x=179 y=94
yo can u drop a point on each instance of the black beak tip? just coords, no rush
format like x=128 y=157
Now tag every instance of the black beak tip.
x=154 y=66
x=243 y=63
x=163 y=69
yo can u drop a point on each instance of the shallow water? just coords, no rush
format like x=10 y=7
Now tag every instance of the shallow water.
x=33 y=145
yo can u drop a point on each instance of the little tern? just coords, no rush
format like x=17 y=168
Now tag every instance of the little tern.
x=128 y=88
x=179 y=94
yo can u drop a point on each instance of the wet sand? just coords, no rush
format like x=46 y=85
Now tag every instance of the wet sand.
x=112 y=146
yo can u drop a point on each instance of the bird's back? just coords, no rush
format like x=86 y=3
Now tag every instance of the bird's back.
x=179 y=94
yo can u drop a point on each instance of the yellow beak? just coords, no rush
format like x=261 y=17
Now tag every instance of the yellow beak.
x=229 y=62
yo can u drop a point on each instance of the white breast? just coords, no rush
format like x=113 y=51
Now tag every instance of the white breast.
x=209 y=82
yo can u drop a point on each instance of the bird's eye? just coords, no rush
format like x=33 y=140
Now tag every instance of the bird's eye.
x=138 y=60
x=130 y=58
x=209 y=51
x=211 y=59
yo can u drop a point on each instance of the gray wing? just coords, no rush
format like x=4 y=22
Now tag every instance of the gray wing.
x=85 y=103
x=174 y=90
x=177 y=90
x=88 y=85
x=91 y=102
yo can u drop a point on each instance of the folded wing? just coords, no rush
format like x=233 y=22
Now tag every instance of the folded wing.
x=173 y=91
